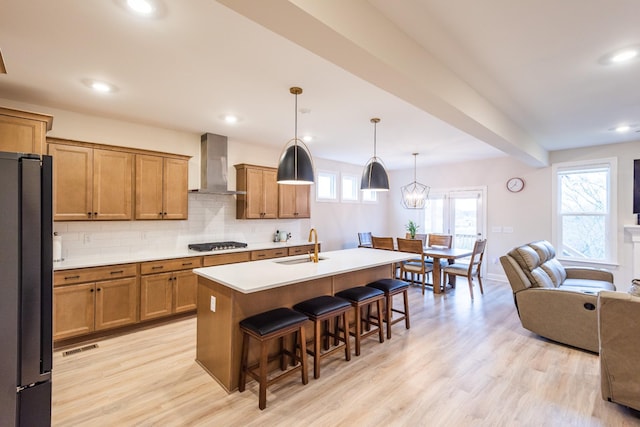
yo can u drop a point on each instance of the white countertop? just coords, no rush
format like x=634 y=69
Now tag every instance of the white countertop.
x=158 y=254
x=254 y=276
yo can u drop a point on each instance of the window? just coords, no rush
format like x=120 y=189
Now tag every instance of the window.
x=326 y=186
x=369 y=196
x=350 y=188
x=585 y=206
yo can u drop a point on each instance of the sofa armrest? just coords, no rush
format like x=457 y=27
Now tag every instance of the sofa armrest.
x=589 y=273
x=566 y=316
x=618 y=319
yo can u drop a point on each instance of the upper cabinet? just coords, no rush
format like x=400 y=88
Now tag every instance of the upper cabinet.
x=23 y=132
x=261 y=198
x=101 y=182
x=91 y=183
x=161 y=187
x=293 y=201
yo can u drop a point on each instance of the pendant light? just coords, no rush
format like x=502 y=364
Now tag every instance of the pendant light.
x=414 y=195
x=295 y=166
x=374 y=176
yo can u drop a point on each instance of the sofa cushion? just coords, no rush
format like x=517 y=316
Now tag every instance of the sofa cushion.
x=555 y=270
x=529 y=261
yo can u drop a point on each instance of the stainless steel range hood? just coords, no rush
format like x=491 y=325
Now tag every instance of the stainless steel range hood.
x=213 y=165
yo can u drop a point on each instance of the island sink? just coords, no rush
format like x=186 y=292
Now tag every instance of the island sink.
x=298 y=261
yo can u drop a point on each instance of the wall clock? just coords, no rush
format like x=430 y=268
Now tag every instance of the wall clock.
x=515 y=185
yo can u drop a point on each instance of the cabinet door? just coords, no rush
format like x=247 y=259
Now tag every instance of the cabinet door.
x=293 y=201
x=155 y=295
x=255 y=194
x=112 y=185
x=303 y=207
x=72 y=182
x=176 y=188
x=185 y=288
x=21 y=135
x=116 y=303
x=149 y=172
x=270 y=192
x=73 y=310
x=286 y=201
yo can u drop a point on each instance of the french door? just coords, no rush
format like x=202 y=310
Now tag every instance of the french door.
x=460 y=212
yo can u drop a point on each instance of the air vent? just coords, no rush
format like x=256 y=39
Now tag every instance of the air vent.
x=79 y=350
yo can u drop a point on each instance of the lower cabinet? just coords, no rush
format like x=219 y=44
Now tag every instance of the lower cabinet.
x=87 y=307
x=163 y=294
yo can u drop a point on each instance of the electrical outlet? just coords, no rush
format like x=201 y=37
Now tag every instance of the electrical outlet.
x=212 y=304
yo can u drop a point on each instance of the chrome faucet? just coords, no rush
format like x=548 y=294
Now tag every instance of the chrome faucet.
x=314 y=233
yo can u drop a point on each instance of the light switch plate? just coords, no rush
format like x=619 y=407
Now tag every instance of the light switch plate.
x=213 y=304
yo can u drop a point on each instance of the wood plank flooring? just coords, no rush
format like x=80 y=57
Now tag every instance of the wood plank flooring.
x=462 y=363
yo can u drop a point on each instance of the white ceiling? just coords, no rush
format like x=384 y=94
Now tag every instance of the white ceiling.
x=454 y=80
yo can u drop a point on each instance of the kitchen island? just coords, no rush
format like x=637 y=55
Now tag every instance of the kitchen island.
x=229 y=293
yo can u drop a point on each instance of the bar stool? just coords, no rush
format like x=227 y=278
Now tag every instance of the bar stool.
x=320 y=310
x=361 y=297
x=392 y=287
x=265 y=327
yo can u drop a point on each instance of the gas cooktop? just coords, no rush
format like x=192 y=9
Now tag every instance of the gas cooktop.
x=216 y=246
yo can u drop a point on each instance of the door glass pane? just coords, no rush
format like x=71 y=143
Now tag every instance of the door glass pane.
x=465 y=221
x=434 y=215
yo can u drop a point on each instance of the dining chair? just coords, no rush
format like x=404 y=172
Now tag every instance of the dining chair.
x=418 y=236
x=471 y=269
x=364 y=240
x=439 y=241
x=417 y=265
x=382 y=243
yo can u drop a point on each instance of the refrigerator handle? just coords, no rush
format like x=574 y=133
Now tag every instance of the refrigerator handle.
x=47 y=265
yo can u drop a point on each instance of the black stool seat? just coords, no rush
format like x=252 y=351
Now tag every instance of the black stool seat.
x=321 y=305
x=359 y=293
x=389 y=285
x=273 y=320
x=321 y=310
x=392 y=287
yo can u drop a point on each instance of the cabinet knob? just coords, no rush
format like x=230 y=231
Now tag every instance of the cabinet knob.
x=99 y=289
x=95 y=214
x=91 y=290
x=164 y=213
x=89 y=214
x=160 y=213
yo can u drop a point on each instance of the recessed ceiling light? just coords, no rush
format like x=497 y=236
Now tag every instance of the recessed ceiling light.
x=621 y=56
x=231 y=119
x=307 y=138
x=624 y=55
x=623 y=128
x=99 y=86
x=143 y=7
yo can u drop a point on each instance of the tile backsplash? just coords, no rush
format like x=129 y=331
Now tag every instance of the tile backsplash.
x=211 y=218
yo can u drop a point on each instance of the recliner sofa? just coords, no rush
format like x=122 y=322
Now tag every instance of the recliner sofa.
x=553 y=301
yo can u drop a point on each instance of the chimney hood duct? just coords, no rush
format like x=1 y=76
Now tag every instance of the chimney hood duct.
x=213 y=165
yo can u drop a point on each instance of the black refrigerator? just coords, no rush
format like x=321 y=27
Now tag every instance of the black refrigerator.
x=26 y=271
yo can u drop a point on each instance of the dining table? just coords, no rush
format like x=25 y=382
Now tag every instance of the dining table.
x=450 y=254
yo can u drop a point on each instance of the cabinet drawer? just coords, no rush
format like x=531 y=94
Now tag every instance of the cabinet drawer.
x=93 y=274
x=304 y=249
x=162 y=266
x=269 y=253
x=221 y=259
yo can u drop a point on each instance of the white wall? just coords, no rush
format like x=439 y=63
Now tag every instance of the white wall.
x=528 y=212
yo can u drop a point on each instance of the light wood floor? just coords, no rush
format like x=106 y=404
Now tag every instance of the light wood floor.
x=462 y=363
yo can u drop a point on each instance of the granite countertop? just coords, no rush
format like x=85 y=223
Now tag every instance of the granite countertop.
x=273 y=273
x=160 y=254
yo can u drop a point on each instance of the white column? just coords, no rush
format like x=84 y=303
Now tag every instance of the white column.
x=634 y=231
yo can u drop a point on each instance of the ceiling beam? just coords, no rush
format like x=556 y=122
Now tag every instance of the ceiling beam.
x=358 y=38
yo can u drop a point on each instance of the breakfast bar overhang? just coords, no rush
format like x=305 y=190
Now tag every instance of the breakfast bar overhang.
x=229 y=293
